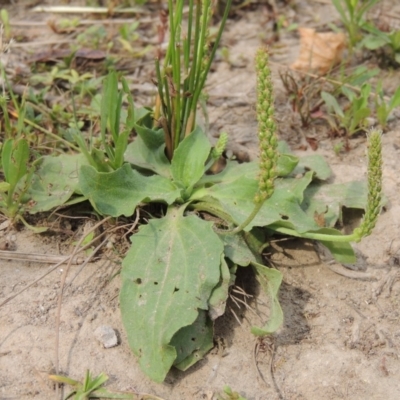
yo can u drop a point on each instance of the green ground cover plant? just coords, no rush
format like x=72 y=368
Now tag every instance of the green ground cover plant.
x=387 y=44
x=385 y=106
x=91 y=388
x=353 y=99
x=353 y=16
x=352 y=117
x=176 y=276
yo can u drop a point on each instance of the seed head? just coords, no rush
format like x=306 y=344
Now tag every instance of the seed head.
x=374 y=184
x=268 y=141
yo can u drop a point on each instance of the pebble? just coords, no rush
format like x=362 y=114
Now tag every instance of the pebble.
x=106 y=336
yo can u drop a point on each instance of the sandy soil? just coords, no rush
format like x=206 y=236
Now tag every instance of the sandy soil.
x=341 y=336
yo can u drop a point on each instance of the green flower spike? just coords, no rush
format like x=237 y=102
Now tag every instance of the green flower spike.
x=374 y=185
x=219 y=146
x=267 y=137
x=268 y=141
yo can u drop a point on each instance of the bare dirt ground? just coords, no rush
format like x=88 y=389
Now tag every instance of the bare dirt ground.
x=341 y=336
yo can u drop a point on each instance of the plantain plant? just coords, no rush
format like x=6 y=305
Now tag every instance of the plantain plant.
x=177 y=274
x=178 y=271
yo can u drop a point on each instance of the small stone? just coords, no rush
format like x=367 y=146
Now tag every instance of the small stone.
x=106 y=336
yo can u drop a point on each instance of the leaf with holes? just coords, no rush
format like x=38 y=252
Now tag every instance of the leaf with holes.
x=193 y=341
x=328 y=200
x=168 y=275
x=236 y=199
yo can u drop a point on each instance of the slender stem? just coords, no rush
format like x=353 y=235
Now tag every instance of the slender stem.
x=168 y=112
x=188 y=40
x=167 y=136
x=202 y=41
x=192 y=72
x=246 y=222
x=177 y=99
x=212 y=209
x=200 y=85
x=171 y=44
x=52 y=135
x=313 y=235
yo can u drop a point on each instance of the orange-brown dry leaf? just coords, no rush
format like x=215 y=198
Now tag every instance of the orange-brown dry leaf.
x=319 y=52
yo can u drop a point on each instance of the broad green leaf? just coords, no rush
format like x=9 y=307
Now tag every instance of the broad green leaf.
x=152 y=138
x=236 y=199
x=270 y=280
x=237 y=250
x=328 y=200
x=231 y=172
x=14 y=157
x=193 y=342
x=315 y=163
x=151 y=159
x=286 y=164
x=119 y=192
x=245 y=247
x=55 y=181
x=373 y=42
x=250 y=170
x=219 y=296
x=187 y=165
x=167 y=275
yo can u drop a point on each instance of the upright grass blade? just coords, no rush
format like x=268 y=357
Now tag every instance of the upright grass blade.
x=186 y=66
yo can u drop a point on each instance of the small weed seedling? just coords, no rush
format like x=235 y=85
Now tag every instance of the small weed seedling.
x=229 y=394
x=15 y=161
x=352 y=14
x=352 y=117
x=385 y=107
x=387 y=44
x=90 y=388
